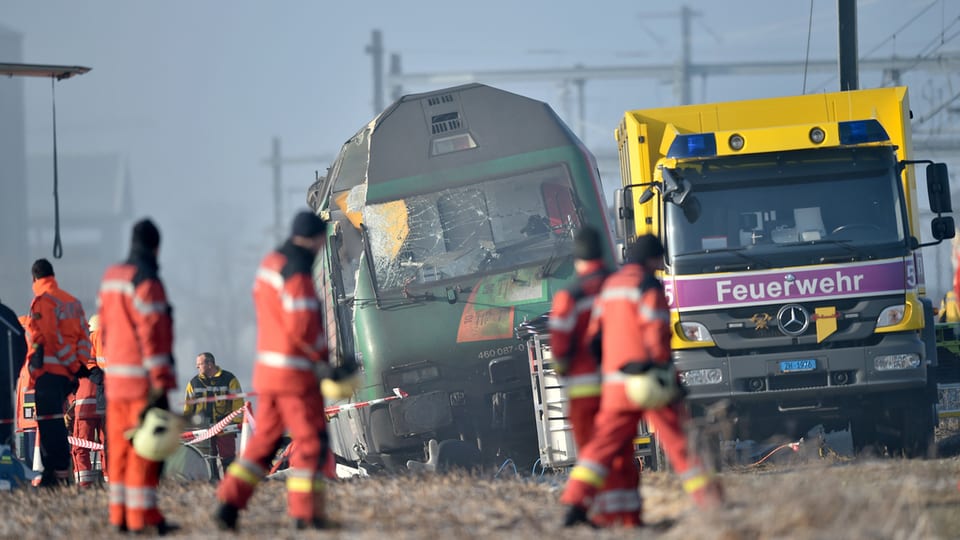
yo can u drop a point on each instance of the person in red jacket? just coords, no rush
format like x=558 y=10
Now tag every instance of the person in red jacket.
x=136 y=328
x=88 y=419
x=59 y=354
x=633 y=321
x=570 y=345
x=291 y=361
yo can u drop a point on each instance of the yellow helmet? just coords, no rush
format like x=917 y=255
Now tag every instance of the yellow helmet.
x=94 y=323
x=158 y=436
x=654 y=388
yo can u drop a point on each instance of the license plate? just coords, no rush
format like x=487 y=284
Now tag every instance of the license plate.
x=792 y=366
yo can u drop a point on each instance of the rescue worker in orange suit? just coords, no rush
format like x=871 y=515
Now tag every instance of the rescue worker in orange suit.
x=632 y=322
x=212 y=381
x=88 y=417
x=59 y=355
x=136 y=326
x=290 y=364
x=570 y=345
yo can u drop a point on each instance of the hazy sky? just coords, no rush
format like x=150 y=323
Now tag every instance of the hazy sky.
x=191 y=93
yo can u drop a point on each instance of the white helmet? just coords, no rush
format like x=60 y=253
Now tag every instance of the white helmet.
x=94 y=323
x=654 y=388
x=158 y=436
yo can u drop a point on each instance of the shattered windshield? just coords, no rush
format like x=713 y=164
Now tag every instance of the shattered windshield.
x=761 y=208
x=485 y=227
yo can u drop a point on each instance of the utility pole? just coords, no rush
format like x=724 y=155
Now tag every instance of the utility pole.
x=681 y=83
x=276 y=162
x=375 y=49
x=847 y=42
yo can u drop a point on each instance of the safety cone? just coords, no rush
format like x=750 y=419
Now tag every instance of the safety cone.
x=37 y=459
x=245 y=430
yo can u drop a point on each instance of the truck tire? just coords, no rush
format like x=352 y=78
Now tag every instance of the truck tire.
x=917 y=430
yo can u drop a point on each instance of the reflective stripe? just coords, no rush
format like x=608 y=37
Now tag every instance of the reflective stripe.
x=84 y=343
x=144 y=498
x=274 y=279
x=126 y=371
x=584 y=390
x=52 y=360
x=117 y=285
x=617 y=377
x=300 y=480
x=156 y=361
x=62 y=352
x=298 y=304
x=587 y=475
x=585 y=378
x=246 y=471
x=585 y=385
x=149 y=308
x=569 y=322
x=697 y=482
x=86 y=401
x=652 y=314
x=617 y=500
x=279 y=360
x=621 y=293
x=117 y=493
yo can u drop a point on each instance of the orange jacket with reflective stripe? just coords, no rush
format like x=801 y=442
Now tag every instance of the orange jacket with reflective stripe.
x=634 y=318
x=136 y=330
x=57 y=322
x=290 y=339
x=569 y=318
x=86 y=396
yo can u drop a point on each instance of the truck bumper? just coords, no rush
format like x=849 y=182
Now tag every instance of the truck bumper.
x=840 y=374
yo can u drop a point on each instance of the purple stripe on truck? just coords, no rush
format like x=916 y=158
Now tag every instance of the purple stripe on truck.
x=706 y=291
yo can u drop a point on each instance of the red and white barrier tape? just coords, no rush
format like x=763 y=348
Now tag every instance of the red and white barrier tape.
x=34 y=419
x=189 y=437
x=333 y=410
x=193 y=437
x=84 y=443
x=223 y=397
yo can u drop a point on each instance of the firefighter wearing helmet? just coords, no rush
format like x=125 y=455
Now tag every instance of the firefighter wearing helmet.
x=632 y=319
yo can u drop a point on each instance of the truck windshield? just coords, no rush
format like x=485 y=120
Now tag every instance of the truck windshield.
x=782 y=209
x=486 y=227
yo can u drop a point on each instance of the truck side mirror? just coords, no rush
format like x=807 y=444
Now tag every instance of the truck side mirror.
x=942 y=228
x=938 y=189
x=621 y=213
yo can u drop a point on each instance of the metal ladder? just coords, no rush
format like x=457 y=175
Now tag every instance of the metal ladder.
x=554 y=433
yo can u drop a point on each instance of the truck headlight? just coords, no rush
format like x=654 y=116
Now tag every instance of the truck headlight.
x=694 y=331
x=891 y=315
x=696 y=377
x=890 y=362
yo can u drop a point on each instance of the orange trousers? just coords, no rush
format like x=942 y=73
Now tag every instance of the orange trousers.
x=301 y=415
x=87 y=429
x=618 y=501
x=133 y=480
x=609 y=454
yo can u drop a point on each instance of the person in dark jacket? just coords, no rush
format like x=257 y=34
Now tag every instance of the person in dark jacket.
x=213 y=382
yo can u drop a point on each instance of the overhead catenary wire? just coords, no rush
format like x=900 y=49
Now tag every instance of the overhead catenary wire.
x=806 y=57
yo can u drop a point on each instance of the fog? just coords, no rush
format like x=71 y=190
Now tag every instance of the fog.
x=190 y=95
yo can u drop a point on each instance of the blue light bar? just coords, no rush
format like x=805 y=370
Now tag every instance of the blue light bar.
x=862 y=131
x=695 y=145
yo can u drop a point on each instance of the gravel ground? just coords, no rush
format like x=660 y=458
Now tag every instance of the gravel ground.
x=794 y=498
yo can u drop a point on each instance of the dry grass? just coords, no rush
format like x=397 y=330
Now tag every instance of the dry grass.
x=889 y=498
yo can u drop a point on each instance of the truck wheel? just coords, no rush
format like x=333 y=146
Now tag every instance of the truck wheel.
x=917 y=430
